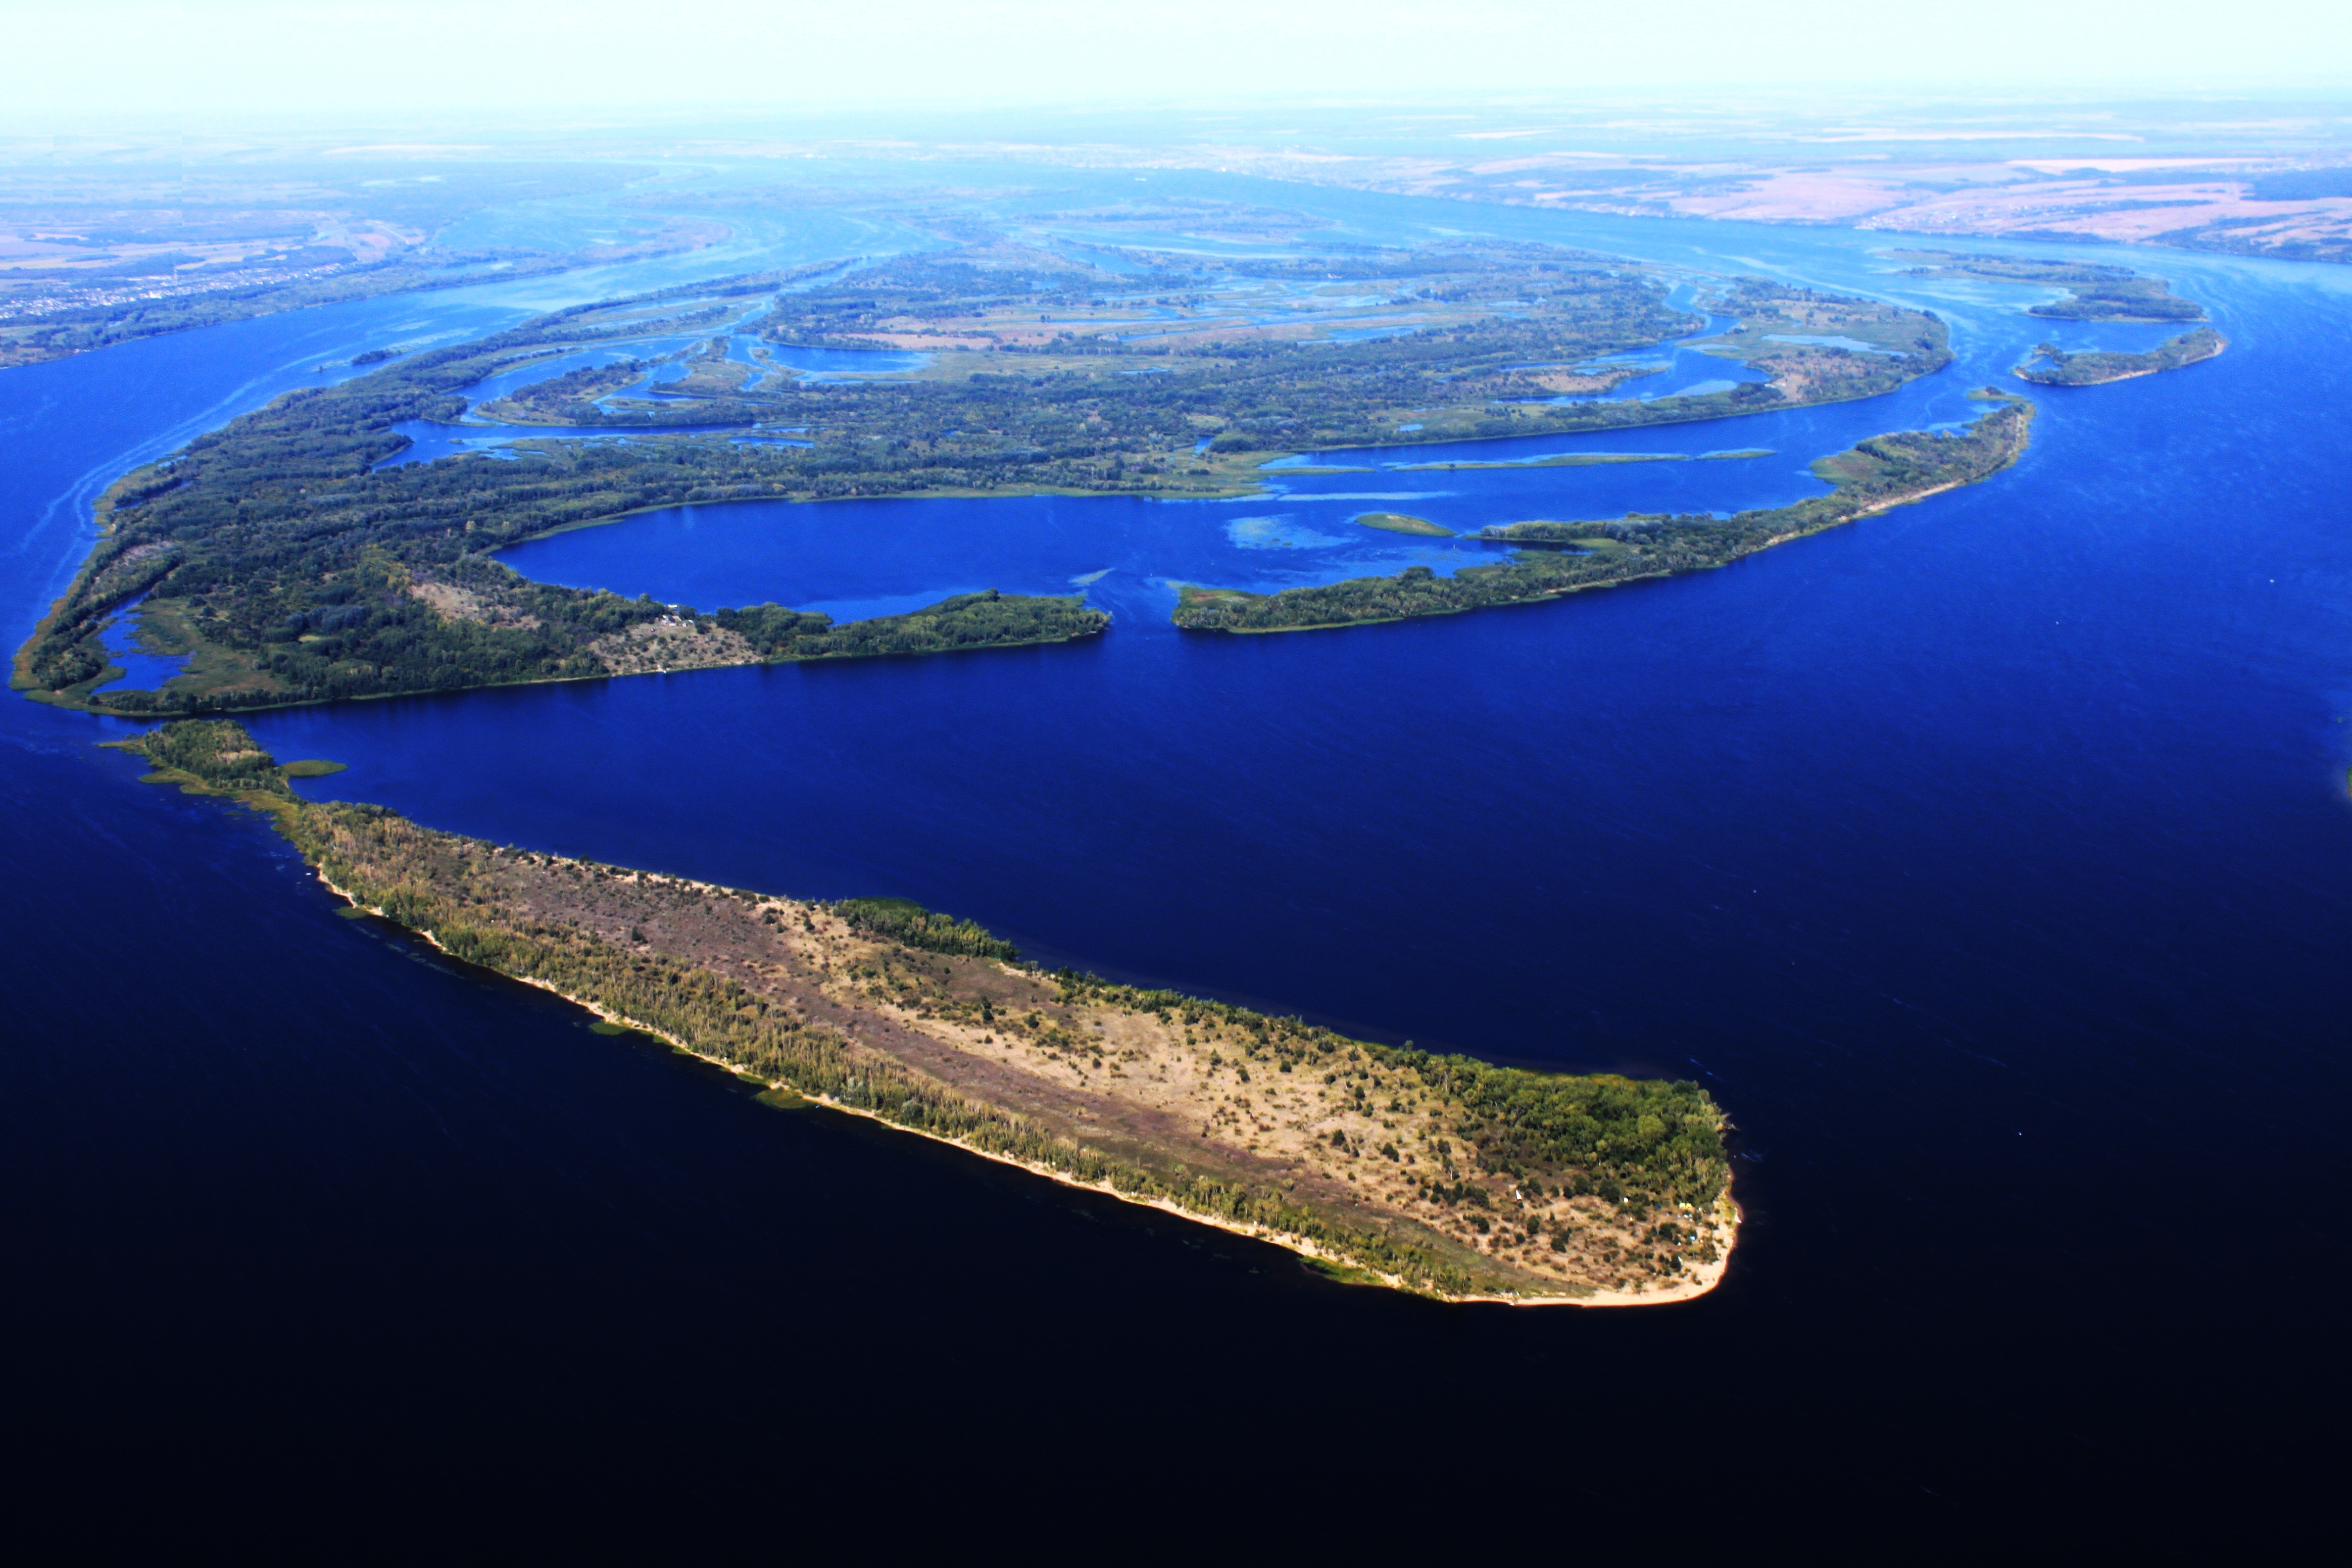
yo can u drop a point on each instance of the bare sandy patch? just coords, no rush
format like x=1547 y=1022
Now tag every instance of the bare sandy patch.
x=656 y=647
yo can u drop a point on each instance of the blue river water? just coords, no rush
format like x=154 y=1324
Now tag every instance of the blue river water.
x=1990 y=861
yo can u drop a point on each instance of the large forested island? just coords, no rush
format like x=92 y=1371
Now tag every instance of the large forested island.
x=1436 y=1173
x=294 y=560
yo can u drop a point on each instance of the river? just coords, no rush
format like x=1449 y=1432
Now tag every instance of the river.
x=1989 y=861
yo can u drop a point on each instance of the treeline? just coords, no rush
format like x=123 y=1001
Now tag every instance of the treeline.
x=905 y=921
x=222 y=756
x=1479 y=378
x=422 y=880
x=569 y=398
x=961 y=622
x=1638 y=1136
x=1564 y=557
x=845 y=313
x=2053 y=366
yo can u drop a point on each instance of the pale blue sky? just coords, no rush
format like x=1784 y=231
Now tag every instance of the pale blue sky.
x=80 y=59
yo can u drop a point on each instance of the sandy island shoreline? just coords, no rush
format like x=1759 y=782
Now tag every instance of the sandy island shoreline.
x=1699 y=1280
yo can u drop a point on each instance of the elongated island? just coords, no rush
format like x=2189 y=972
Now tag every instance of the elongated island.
x=1555 y=559
x=1438 y=1175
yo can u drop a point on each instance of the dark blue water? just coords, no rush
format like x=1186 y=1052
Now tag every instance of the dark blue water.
x=1990 y=861
x=139 y=669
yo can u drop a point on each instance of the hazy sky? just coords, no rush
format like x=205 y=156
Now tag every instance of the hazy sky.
x=77 y=60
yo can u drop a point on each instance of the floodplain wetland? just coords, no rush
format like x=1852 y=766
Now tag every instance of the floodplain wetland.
x=306 y=567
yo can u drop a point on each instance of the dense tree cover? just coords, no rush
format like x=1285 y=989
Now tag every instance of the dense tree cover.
x=1569 y=556
x=223 y=757
x=908 y=923
x=570 y=398
x=2334 y=182
x=279 y=541
x=2053 y=366
x=296 y=568
x=1658 y=1140
x=2095 y=292
x=965 y=621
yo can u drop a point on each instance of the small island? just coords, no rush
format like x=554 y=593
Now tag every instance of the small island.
x=2053 y=366
x=1399 y=522
x=1556 y=559
x=1381 y=1164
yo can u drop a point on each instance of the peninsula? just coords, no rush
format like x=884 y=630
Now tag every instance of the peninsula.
x=293 y=557
x=1561 y=558
x=1438 y=1175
